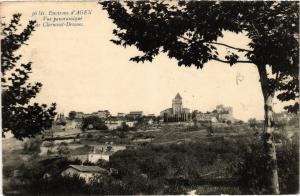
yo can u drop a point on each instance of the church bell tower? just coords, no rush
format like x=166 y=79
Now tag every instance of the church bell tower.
x=177 y=104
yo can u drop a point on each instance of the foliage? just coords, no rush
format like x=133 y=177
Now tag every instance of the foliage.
x=19 y=116
x=87 y=162
x=253 y=124
x=180 y=31
x=63 y=149
x=61 y=122
x=169 y=169
x=32 y=146
x=95 y=121
x=102 y=163
x=72 y=115
x=125 y=128
x=190 y=32
x=166 y=165
x=192 y=128
x=48 y=144
x=252 y=170
x=280 y=123
x=59 y=185
x=89 y=135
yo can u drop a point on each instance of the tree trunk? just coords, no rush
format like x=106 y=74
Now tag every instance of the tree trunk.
x=271 y=162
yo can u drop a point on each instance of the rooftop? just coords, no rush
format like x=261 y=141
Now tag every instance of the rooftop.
x=85 y=168
x=178 y=96
x=136 y=112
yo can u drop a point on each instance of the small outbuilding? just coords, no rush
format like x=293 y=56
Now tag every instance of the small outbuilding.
x=84 y=171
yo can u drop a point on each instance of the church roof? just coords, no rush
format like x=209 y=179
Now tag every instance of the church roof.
x=178 y=96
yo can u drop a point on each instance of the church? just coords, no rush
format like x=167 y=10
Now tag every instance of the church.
x=177 y=113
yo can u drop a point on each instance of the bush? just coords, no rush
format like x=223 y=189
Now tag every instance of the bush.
x=67 y=185
x=252 y=171
x=89 y=135
x=192 y=128
x=48 y=144
x=95 y=121
x=49 y=152
x=8 y=171
x=63 y=149
x=32 y=146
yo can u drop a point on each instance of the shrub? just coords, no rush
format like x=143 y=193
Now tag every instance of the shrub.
x=252 y=171
x=192 y=128
x=63 y=149
x=95 y=121
x=7 y=171
x=89 y=135
x=87 y=162
x=48 y=144
x=49 y=152
x=32 y=146
x=57 y=184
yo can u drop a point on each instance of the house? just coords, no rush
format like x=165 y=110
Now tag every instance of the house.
x=103 y=114
x=225 y=114
x=206 y=117
x=99 y=153
x=103 y=152
x=71 y=124
x=93 y=157
x=134 y=115
x=130 y=123
x=150 y=121
x=84 y=171
x=113 y=123
x=121 y=114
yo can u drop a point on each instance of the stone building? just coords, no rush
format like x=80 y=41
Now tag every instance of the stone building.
x=225 y=114
x=134 y=115
x=103 y=114
x=206 y=117
x=177 y=113
x=84 y=171
x=221 y=114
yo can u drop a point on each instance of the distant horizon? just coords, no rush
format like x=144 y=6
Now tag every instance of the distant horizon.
x=147 y=113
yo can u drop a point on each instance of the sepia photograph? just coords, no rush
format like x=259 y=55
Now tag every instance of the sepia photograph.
x=150 y=97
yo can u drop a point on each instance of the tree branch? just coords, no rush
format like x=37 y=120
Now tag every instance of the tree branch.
x=221 y=44
x=223 y=61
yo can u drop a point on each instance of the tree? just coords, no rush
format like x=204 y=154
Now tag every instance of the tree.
x=32 y=146
x=189 y=30
x=63 y=149
x=280 y=123
x=252 y=123
x=95 y=121
x=19 y=115
x=72 y=115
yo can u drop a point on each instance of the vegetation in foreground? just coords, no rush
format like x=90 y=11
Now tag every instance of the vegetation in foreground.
x=217 y=165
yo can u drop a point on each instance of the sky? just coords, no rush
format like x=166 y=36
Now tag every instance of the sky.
x=81 y=70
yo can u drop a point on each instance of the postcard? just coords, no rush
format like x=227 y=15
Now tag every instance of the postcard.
x=150 y=97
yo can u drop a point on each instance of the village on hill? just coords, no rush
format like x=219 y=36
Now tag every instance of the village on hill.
x=119 y=132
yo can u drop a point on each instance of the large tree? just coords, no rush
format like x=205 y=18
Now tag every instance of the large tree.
x=189 y=31
x=19 y=115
